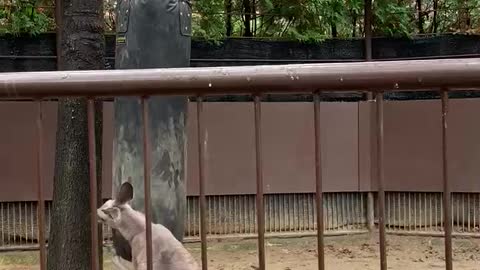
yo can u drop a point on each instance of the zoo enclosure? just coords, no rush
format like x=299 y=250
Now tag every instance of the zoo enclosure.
x=443 y=75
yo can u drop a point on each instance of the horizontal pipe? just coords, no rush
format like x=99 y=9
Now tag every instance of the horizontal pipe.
x=395 y=75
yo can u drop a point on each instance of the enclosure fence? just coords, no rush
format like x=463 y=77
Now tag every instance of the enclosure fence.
x=374 y=77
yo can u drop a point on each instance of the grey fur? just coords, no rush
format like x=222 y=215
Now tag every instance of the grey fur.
x=168 y=253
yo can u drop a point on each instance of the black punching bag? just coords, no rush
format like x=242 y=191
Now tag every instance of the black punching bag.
x=152 y=34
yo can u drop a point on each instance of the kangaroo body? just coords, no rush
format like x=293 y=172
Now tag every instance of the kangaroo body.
x=167 y=252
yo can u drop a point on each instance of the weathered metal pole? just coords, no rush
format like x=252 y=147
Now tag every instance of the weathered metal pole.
x=367 y=26
x=153 y=34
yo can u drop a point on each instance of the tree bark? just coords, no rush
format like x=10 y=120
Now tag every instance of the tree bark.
x=435 y=21
x=420 y=16
x=334 y=30
x=228 y=18
x=354 y=24
x=248 y=17
x=82 y=47
x=464 y=17
x=99 y=152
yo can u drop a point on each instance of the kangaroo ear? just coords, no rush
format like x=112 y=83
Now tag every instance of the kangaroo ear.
x=125 y=194
x=112 y=212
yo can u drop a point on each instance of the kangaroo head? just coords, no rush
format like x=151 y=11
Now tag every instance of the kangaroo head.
x=111 y=211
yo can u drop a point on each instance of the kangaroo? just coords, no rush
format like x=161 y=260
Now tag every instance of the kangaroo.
x=167 y=252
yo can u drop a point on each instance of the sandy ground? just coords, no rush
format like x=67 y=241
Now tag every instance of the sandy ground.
x=342 y=253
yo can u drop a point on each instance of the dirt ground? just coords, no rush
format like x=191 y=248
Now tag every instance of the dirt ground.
x=342 y=253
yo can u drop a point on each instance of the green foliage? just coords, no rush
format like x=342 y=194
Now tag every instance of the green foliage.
x=392 y=18
x=24 y=17
x=303 y=20
x=207 y=21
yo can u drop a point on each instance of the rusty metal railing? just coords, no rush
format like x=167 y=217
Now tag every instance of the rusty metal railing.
x=444 y=75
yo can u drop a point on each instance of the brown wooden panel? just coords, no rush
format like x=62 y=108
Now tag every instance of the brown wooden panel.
x=366 y=145
x=413 y=157
x=230 y=168
x=288 y=147
x=18 y=157
x=413 y=145
x=464 y=144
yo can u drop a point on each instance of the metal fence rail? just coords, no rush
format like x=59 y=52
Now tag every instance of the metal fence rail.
x=441 y=75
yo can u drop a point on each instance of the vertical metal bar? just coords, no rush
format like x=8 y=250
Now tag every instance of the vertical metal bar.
x=446 y=185
x=14 y=224
x=457 y=205
x=474 y=214
x=399 y=211
x=350 y=211
x=202 y=144
x=415 y=211
x=26 y=222
x=360 y=207
x=281 y=212
x=312 y=211
x=318 y=183
x=215 y=227
x=442 y=209
x=41 y=201
x=195 y=216
x=430 y=212
x=344 y=210
x=293 y=212
x=268 y=213
x=225 y=214
x=425 y=209
x=405 y=211
x=210 y=210
x=32 y=221
x=20 y=221
x=380 y=183
x=436 y=212
x=388 y=217
x=452 y=206
x=367 y=26
x=49 y=215
x=420 y=216
x=361 y=211
x=147 y=183
x=93 y=183
x=395 y=208
x=409 y=212
x=336 y=204
x=187 y=225
x=3 y=229
x=468 y=211
x=304 y=227
x=259 y=168
x=8 y=222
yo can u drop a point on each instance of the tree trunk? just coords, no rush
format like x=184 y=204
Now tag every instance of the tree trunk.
x=98 y=148
x=354 y=24
x=334 y=30
x=254 y=17
x=435 y=20
x=420 y=16
x=82 y=48
x=464 y=17
x=228 y=18
x=248 y=17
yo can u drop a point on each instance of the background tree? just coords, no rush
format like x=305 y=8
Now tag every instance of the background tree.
x=303 y=20
x=82 y=48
